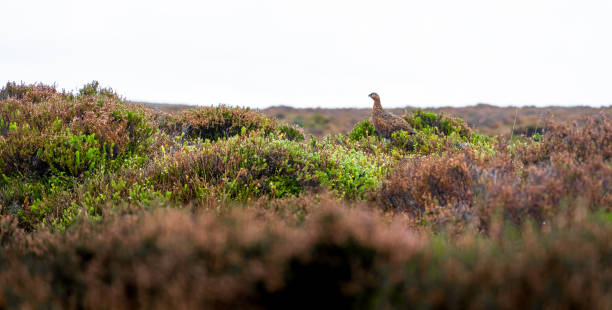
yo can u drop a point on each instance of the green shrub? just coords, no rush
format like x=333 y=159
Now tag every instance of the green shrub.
x=435 y=134
x=239 y=168
x=73 y=154
x=95 y=117
x=46 y=136
x=90 y=89
x=441 y=124
x=429 y=140
x=423 y=142
x=291 y=132
x=361 y=130
x=244 y=167
x=350 y=173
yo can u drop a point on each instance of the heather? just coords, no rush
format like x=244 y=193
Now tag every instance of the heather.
x=110 y=204
x=338 y=257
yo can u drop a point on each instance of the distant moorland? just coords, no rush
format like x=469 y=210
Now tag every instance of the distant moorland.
x=487 y=119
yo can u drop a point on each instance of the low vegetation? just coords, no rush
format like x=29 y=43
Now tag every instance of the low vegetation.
x=109 y=204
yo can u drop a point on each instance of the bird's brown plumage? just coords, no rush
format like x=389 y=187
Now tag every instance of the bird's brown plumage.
x=387 y=123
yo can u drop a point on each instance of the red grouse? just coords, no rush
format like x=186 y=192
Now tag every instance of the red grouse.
x=387 y=123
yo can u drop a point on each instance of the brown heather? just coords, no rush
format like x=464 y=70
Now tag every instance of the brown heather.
x=222 y=121
x=30 y=93
x=420 y=184
x=585 y=140
x=570 y=165
x=339 y=257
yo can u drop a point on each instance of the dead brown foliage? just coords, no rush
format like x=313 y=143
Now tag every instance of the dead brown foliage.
x=337 y=257
x=421 y=184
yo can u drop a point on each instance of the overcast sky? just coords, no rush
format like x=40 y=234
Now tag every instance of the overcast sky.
x=317 y=53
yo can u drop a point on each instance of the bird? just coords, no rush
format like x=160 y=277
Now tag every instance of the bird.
x=387 y=123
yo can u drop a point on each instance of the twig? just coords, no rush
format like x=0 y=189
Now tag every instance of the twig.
x=515 y=116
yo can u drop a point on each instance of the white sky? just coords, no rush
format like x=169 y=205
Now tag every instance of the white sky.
x=317 y=53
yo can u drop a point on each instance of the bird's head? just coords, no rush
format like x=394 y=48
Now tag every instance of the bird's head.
x=374 y=96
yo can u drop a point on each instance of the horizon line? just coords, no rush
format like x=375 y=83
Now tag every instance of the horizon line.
x=356 y=107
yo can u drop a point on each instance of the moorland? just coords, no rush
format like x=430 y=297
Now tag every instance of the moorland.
x=106 y=203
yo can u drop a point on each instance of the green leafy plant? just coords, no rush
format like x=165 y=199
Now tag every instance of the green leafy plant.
x=73 y=154
x=291 y=133
x=440 y=124
x=361 y=130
